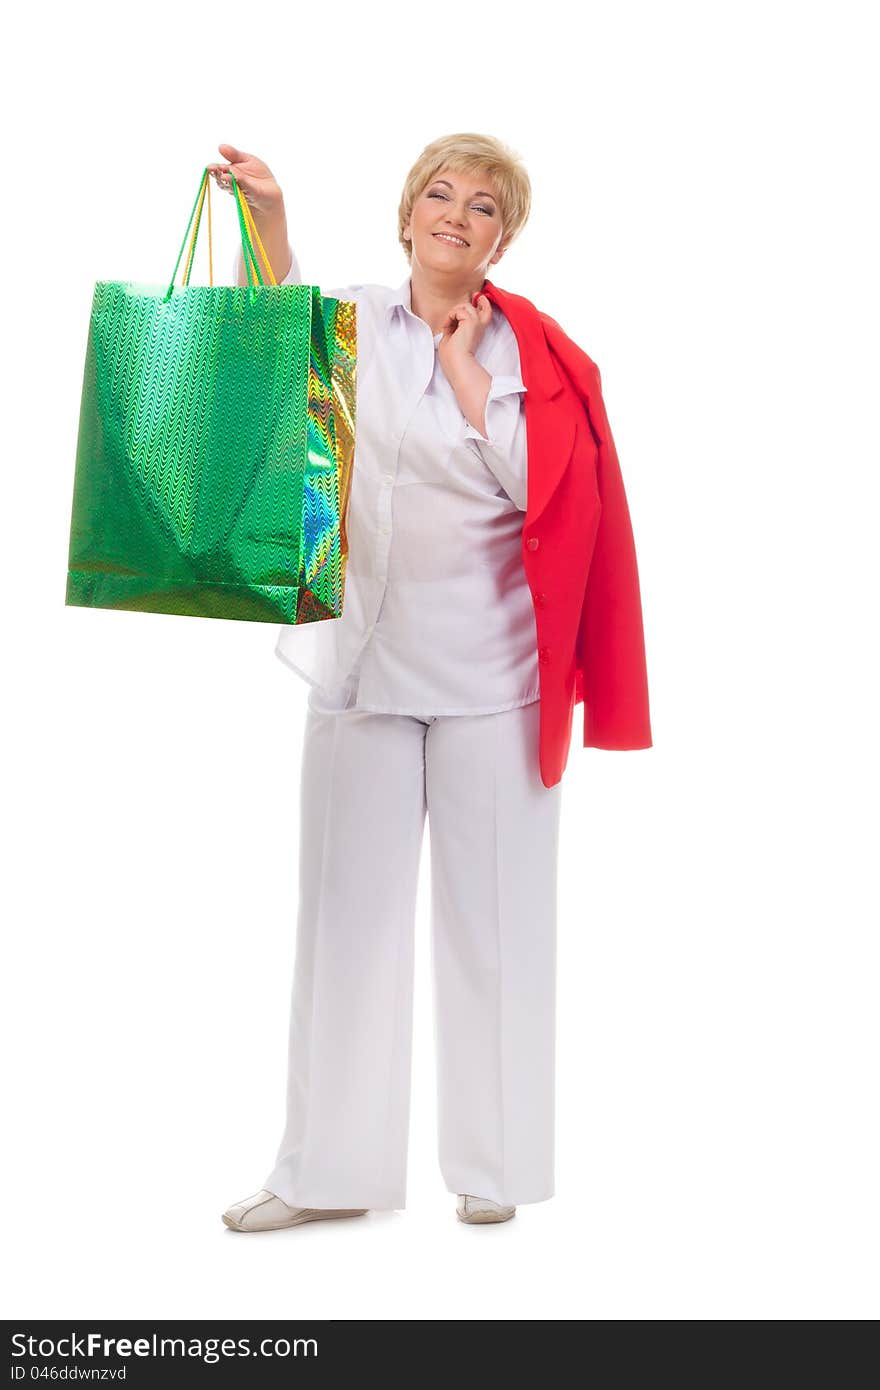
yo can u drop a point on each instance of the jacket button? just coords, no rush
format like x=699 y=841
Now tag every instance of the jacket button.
x=544 y=654
x=540 y=600
x=532 y=543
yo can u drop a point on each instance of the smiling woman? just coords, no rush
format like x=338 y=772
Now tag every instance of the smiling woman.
x=447 y=174
x=428 y=700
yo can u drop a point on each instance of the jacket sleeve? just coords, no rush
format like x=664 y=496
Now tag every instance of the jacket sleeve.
x=612 y=672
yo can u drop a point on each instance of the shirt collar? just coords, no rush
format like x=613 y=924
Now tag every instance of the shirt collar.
x=401 y=297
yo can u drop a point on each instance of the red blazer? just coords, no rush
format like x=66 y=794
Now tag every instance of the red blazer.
x=577 y=547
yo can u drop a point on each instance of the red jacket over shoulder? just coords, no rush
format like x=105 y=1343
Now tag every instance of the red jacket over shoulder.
x=578 y=550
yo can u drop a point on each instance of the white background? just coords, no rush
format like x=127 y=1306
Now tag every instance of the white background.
x=704 y=228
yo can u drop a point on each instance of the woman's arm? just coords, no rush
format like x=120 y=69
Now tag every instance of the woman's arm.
x=263 y=195
x=470 y=381
x=493 y=407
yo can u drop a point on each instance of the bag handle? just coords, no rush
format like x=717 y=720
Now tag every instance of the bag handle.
x=245 y=211
x=247 y=227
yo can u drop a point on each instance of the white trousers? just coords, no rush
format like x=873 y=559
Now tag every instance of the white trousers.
x=368 y=781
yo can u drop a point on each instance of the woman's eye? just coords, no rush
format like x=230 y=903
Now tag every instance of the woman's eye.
x=487 y=211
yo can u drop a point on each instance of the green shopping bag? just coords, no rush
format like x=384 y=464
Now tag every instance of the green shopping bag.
x=215 y=446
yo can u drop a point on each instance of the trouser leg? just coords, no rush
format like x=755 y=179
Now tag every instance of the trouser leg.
x=350 y=1042
x=494 y=832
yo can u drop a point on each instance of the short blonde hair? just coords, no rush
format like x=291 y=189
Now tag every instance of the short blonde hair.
x=471 y=154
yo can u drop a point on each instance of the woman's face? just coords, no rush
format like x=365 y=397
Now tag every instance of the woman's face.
x=465 y=207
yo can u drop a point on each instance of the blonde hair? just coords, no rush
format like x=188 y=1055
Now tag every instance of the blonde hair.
x=471 y=154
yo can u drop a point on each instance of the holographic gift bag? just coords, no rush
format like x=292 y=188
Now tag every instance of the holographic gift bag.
x=215 y=447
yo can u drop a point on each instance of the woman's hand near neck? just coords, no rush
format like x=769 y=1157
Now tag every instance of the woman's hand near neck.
x=434 y=302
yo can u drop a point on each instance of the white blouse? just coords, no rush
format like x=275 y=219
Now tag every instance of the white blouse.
x=437 y=616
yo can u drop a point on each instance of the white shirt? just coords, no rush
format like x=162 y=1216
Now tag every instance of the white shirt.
x=437 y=616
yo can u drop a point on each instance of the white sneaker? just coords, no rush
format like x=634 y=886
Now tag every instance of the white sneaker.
x=479 y=1210
x=266 y=1212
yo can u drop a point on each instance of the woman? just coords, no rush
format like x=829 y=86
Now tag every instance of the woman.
x=424 y=700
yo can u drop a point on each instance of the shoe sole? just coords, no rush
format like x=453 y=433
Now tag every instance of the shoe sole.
x=312 y=1214
x=483 y=1218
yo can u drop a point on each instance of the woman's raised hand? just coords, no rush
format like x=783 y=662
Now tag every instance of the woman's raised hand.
x=255 y=179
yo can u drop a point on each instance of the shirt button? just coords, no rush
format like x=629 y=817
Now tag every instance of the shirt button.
x=540 y=600
x=384 y=531
x=388 y=477
x=544 y=654
x=532 y=543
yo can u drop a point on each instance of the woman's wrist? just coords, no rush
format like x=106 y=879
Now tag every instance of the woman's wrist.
x=270 y=212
